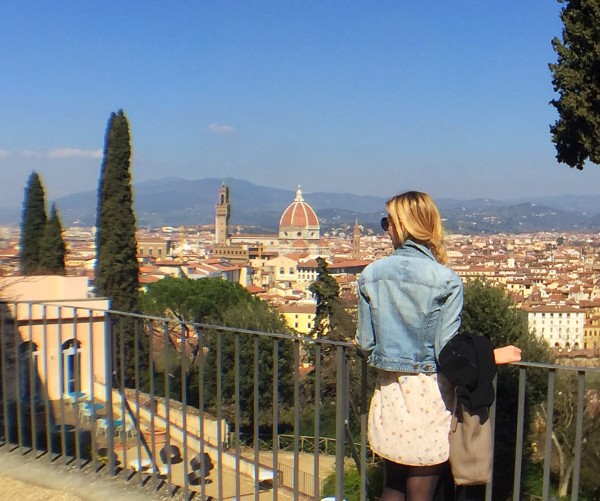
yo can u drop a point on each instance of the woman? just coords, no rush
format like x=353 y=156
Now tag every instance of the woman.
x=409 y=307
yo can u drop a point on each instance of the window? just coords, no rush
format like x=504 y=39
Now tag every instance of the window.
x=291 y=272
x=159 y=251
x=28 y=376
x=150 y=251
x=281 y=271
x=71 y=350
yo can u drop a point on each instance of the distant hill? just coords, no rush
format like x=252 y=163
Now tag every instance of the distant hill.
x=175 y=202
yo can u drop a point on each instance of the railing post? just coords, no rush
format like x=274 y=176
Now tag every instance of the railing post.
x=317 y=429
x=340 y=421
x=548 y=442
x=236 y=371
x=520 y=430
x=578 y=435
x=108 y=379
x=363 y=428
x=275 y=426
x=4 y=312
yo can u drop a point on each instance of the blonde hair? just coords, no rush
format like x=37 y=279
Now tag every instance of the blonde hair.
x=415 y=216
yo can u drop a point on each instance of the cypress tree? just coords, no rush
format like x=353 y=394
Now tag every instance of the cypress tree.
x=33 y=223
x=117 y=268
x=52 y=246
x=576 y=77
x=326 y=291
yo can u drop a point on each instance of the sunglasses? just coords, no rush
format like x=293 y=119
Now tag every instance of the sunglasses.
x=385 y=223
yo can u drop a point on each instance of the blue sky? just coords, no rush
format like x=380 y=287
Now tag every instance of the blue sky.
x=369 y=97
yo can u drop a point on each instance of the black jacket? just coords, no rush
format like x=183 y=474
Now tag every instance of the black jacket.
x=468 y=363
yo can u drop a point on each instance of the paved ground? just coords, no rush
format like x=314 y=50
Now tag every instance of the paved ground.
x=23 y=478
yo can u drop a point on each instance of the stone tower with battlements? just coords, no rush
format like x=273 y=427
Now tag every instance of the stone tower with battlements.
x=356 y=241
x=222 y=215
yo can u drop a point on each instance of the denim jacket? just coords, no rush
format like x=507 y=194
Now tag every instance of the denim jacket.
x=409 y=307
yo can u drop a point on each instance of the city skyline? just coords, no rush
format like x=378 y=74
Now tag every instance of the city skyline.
x=339 y=96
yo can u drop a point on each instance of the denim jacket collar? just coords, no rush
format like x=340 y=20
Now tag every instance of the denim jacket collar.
x=411 y=246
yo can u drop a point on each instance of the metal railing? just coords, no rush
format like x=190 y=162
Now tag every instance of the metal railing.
x=169 y=404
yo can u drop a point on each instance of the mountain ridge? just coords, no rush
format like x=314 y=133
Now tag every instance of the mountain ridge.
x=175 y=201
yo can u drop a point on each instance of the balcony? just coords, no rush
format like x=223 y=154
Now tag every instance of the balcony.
x=208 y=412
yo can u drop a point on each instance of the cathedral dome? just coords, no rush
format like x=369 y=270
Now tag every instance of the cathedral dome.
x=298 y=216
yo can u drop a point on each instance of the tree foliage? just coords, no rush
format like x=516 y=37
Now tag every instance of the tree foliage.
x=212 y=302
x=576 y=78
x=33 y=224
x=564 y=433
x=52 y=246
x=489 y=311
x=326 y=292
x=334 y=321
x=117 y=268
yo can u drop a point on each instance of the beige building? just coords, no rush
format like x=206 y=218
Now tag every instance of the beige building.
x=154 y=247
x=560 y=326
x=299 y=316
x=52 y=357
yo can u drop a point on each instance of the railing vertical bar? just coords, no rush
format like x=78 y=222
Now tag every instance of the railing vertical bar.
x=45 y=357
x=4 y=333
x=275 y=428
x=340 y=415
x=77 y=388
x=317 y=417
x=489 y=485
x=123 y=324
x=136 y=352
x=296 y=418
x=153 y=404
x=61 y=384
x=32 y=381
x=548 y=441
x=578 y=434
x=201 y=407
x=236 y=364
x=94 y=430
x=183 y=352
x=18 y=377
x=108 y=381
x=520 y=431
x=363 y=428
x=219 y=398
x=256 y=418
x=166 y=358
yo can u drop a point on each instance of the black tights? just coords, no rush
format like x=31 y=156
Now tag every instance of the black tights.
x=411 y=483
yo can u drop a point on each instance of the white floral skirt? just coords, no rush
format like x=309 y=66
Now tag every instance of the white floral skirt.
x=409 y=418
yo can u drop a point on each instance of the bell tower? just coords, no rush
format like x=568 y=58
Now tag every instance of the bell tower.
x=356 y=241
x=222 y=215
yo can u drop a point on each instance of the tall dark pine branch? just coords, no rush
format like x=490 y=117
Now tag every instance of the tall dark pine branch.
x=52 y=246
x=33 y=224
x=117 y=268
x=576 y=78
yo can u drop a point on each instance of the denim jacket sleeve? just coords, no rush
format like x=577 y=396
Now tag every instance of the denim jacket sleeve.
x=365 y=334
x=451 y=315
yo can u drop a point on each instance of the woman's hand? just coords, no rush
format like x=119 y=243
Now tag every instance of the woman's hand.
x=507 y=354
